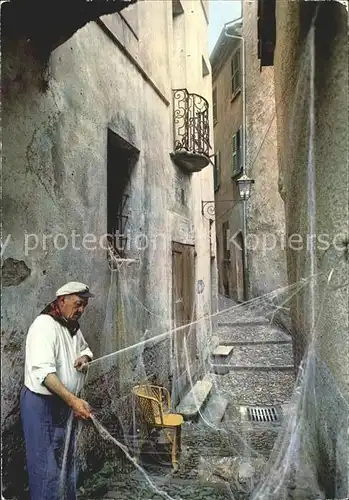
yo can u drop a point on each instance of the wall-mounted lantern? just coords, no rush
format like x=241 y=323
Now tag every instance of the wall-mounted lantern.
x=244 y=185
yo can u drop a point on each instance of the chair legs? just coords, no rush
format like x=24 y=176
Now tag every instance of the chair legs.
x=144 y=432
x=176 y=447
x=178 y=438
x=174 y=454
x=173 y=435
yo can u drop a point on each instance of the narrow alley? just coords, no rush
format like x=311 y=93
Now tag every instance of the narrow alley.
x=174 y=250
x=224 y=448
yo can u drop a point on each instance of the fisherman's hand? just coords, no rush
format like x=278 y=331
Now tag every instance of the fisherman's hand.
x=81 y=409
x=81 y=364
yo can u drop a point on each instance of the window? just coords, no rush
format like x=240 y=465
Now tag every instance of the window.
x=235 y=73
x=121 y=158
x=237 y=153
x=217 y=170
x=214 y=106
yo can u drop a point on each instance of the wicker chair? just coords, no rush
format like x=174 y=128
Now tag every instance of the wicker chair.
x=155 y=407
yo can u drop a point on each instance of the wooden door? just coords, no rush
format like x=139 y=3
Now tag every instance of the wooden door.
x=184 y=346
x=239 y=268
x=226 y=267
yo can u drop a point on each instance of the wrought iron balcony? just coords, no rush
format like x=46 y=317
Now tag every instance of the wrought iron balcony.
x=191 y=131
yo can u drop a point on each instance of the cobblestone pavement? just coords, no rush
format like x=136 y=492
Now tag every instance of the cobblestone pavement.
x=261 y=355
x=251 y=333
x=255 y=388
x=225 y=461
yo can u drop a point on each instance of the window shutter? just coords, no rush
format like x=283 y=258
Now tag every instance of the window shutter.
x=235 y=72
x=232 y=75
x=234 y=164
x=214 y=105
x=241 y=150
x=217 y=170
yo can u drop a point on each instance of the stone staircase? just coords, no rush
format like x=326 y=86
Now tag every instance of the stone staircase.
x=251 y=369
x=252 y=364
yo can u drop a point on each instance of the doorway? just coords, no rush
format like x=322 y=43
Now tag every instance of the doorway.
x=184 y=344
x=121 y=160
x=239 y=266
x=226 y=260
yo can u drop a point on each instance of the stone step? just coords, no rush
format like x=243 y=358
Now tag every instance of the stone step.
x=224 y=369
x=228 y=334
x=136 y=486
x=262 y=355
x=194 y=400
x=223 y=350
x=253 y=342
x=214 y=410
x=253 y=387
x=236 y=318
x=226 y=321
x=255 y=357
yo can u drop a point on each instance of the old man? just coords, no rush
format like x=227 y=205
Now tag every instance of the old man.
x=56 y=356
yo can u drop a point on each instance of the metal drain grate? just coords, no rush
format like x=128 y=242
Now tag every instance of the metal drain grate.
x=262 y=414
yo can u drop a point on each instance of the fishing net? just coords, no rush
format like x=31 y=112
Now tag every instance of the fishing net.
x=275 y=423
x=299 y=424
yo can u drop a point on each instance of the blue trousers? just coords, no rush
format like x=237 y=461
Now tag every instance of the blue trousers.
x=50 y=446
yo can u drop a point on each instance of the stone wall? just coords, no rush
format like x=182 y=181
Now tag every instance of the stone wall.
x=229 y=120
x=266 y=261
x=265 y=208
x=293 y=82
x=55 y=121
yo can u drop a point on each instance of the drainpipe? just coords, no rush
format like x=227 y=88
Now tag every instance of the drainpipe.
x=244 y=142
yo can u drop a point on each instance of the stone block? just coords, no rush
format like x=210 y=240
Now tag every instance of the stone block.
x=193 y=401
x=223 y=350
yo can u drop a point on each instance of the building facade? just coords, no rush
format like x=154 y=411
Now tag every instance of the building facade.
x=265 y=209
x=245 y=142
x=106 y=147
x=228 y=132
x=307 y=43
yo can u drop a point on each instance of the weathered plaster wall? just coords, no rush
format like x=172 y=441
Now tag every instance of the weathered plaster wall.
x=266 y=211
x=229 y=114
x=189 y=226
x=293 y=105
x=54 y=180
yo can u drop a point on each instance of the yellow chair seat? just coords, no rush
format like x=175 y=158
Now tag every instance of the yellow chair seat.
x=170 y=420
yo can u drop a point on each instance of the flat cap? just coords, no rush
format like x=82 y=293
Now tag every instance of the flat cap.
x=74 y=287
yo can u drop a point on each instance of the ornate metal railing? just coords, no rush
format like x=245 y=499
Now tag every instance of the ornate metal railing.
x=191 y=123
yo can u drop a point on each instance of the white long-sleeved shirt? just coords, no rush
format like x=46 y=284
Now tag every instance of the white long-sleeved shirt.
x=50 y=348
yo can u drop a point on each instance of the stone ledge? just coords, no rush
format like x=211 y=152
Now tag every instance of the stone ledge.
x=222 y=350
x=215 y=409
x=193 y=401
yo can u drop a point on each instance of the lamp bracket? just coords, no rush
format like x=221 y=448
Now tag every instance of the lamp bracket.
x=208 y=207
